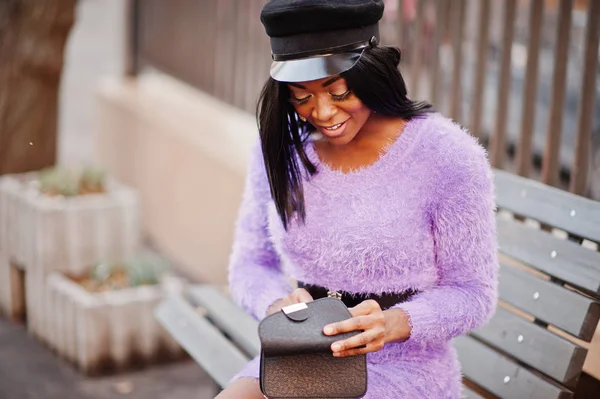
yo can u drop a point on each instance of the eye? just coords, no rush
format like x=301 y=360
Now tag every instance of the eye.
x=341 y=97
x=339 y=91
x=300 y=101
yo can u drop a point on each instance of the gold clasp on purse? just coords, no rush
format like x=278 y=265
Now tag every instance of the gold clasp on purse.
x=334 y=294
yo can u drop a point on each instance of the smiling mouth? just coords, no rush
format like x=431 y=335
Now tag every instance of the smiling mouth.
x=333 y=128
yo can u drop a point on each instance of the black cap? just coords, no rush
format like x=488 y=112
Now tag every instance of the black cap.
x=314 y=39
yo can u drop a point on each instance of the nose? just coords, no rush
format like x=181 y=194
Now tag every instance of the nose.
x=324 y=109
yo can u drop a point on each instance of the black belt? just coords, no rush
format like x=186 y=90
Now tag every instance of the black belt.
x=385 y=300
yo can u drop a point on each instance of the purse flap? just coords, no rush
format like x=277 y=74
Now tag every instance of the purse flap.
x=281 y=335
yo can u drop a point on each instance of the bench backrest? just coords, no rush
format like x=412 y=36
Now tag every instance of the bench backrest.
x=535 y=345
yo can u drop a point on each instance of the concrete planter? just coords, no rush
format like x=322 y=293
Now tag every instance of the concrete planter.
x=40 y=234
x=99 y=332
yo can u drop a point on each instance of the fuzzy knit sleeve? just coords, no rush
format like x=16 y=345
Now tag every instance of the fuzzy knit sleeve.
x=255 y=276
x=464 y=231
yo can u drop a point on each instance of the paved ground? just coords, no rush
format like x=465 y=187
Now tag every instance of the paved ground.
x=28 y=370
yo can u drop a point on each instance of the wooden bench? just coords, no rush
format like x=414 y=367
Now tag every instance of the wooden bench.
x=535 y=345
x=216 y=333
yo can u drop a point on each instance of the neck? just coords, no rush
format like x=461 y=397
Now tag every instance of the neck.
x=378 y=132
x=378 y=125
x=379 y=129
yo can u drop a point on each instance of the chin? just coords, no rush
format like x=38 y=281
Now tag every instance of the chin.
x=340 y=140
x=344 y=138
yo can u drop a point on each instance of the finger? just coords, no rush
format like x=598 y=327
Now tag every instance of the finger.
x=302 y=295
x=279 y=304
x=367 y=338
x=353 y=324
x=365 y=308
x=357 y=351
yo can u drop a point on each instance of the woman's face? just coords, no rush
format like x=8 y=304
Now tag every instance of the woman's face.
x=330 y=107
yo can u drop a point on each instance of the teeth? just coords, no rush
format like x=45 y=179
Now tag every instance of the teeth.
x=334 y=127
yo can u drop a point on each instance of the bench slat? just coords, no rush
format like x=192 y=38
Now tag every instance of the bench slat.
x=205 y=343
x=501 y=376
x=573 y=313
x=535 y=346
x=240 y=326
x=563 y=259
x=558 y=208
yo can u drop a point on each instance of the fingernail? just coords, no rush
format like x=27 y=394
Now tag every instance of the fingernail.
x=328 y=330
x=335 y=347
x=336 y=354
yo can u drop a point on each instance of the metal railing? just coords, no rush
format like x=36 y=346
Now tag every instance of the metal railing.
x=520 y=75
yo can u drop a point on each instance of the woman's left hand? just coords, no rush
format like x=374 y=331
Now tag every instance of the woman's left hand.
x=378 y=328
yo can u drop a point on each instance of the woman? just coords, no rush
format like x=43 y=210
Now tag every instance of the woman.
x=357 y=189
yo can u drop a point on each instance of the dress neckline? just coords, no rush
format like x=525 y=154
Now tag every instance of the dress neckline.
x=394 y=150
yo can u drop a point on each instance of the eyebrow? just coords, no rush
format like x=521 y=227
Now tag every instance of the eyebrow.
x=329 y=82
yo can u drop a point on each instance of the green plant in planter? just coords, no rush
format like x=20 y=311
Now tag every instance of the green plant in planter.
x=92 y=180
x=58 y=181
x=61 y=181
x=101 y=272
x=142 y=270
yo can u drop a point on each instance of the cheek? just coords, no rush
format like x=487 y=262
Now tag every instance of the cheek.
x=298 y=110
x=358 y=111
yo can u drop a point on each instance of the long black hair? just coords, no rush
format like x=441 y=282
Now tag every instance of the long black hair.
x=374 y=79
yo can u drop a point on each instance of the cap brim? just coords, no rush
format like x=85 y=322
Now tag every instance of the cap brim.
x=313 y=68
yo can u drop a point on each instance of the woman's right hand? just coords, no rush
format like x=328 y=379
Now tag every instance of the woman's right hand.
x=299 y=295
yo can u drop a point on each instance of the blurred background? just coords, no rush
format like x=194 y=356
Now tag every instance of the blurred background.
x=149 y=105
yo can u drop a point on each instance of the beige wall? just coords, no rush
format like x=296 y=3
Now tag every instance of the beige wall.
x=186 y=153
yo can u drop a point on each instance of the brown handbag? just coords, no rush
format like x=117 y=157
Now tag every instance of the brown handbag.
x=296 y=360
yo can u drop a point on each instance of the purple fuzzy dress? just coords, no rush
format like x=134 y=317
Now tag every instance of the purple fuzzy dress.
x=421 y=217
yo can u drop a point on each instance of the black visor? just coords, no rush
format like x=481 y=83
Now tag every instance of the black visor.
x=313 y=68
